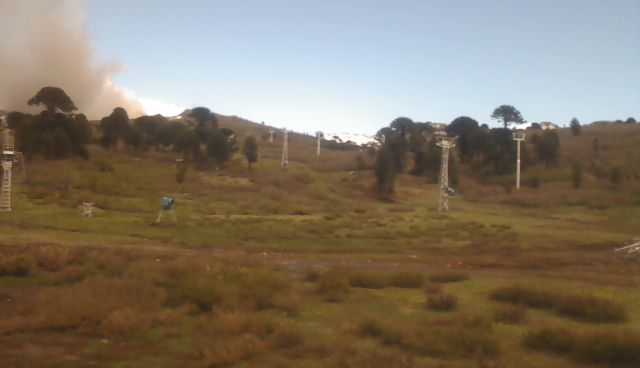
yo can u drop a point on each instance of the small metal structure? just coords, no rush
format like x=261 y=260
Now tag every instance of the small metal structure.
x=518 y=137
x=629 y=252
x=284 y=162
x=8 y=158
x=166 y=210
x=319 y=136
x=446 y=143
x=271 y=131
x=87 y=209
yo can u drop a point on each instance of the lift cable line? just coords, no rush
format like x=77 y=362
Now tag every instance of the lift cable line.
x=446 y=143
x=518 y=137
x=284 y=162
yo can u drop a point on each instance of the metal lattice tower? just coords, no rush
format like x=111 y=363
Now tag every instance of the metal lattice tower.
x=271 y=131
x=446 y=144
x=319 y=136
x=285 y=151
x=8 y=154
x=518 y=137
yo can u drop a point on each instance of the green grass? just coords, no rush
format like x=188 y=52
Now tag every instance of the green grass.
x=290 y=267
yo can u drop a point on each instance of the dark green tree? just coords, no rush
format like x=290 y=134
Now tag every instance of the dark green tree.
x=507 y=114
x=463 y=127
x=575 y=126
x=630 y=121
x=115 y=128
x=385 y=172
x=206 y=123
x=250 y=150
x=53 y=98
x=547 y=147
x=219 y=147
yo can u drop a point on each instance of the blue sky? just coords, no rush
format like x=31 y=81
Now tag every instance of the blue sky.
x=354 y=65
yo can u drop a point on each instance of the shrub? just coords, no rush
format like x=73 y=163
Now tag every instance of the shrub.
x=449 y=276
x=510 y=314
x=286 y=337
x=367 y=279
x=442 y=302
x=333 y=285
x=587 y=308
x=551 y=338
x=15 y=265
x=370 y=327
x=406 y=279
x=51 y=258
x=590 y=308
x=616 y=348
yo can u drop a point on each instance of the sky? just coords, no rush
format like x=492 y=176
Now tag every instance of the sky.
x=355 y=65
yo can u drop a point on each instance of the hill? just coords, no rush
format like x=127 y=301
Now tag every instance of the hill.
x=266 y=267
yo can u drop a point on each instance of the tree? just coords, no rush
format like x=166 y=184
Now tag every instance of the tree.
x=548 y=147
x=576 y=128
x=507 y=114
x=115 y=127
x=616 y=176
x=576 y=176
x=219 y=147
x=250 y=150
x=206 y=122
x=630 y=121
x=53 y=98
x=463 y=127
x=385 y=171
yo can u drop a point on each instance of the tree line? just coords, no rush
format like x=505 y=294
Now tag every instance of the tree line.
x=58 y=132
x=411 y=146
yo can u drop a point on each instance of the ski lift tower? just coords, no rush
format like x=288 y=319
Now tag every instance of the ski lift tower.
x=284 y=162
x=271 y=131
x=518 y=137
x=446 y=143
x=319 y=136
x=8 y=156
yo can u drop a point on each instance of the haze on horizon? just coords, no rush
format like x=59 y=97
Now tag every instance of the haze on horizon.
x=349 y=65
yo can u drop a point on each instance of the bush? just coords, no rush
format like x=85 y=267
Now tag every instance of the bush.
x=617 y=348
x=442 y=302
x=367 y=279
x=555 y=339
x=15 y=265
x=510 y=314
x=51 y=258
x=449 y=276
x=406 y=279
x=587 y=308
x=333 y=285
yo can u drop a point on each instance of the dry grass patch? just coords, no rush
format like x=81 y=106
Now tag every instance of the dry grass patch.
x=449 y=276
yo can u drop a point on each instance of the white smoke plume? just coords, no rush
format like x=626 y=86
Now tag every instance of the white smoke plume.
x=46 y=43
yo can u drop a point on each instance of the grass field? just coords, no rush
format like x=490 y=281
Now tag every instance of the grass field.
x=305 y=268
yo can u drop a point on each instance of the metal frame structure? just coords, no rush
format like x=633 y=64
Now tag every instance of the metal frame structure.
x=518 y=137
x=446 y=143
x=284 y=162
x=319 y=136
x=8 y=157
x=271 y=131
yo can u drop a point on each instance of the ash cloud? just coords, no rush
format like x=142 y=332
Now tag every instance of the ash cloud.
x=46 y=43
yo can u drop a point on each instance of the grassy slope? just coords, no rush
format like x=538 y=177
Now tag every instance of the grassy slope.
x=317 y=214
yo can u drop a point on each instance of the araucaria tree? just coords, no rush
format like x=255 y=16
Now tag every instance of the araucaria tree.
x=575 y=126
x=507 y=114
x=250 y=150
x=55 y=132
x=53 y=98
x=114 y=128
